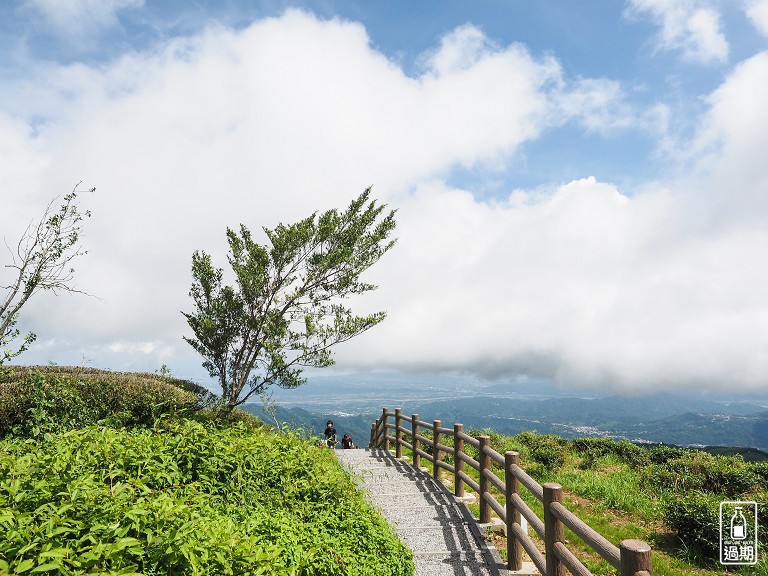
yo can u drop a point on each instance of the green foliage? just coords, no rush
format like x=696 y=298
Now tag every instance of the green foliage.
x=39 y=400
x=285 y=310
x=592 y=449
x=676 y=490
x=760 y=470
x=41 y=260
x=695 y=518
x=696 y=470
x=547 y=450
x=662 y=454
x=186 y=498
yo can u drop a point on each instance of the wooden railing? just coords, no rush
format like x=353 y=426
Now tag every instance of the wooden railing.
x=630 y=558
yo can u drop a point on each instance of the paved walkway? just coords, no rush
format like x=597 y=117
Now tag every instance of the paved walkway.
x=442 y=534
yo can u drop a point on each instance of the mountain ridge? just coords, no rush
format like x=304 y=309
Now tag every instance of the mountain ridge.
x=661 y=417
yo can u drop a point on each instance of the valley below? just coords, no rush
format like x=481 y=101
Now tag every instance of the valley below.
x=353 y=401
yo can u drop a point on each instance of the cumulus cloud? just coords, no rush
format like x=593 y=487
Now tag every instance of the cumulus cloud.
x=584 y=285
x=76 y=19
x=757 y=11
x=690 y=26
x=597 y=104
x=287 y=116
x=580 y=281
x=730 y=142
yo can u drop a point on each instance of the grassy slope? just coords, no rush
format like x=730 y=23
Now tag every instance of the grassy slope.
x=617 y=499
x=172 y=494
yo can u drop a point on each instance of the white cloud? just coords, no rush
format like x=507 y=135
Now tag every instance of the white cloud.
x=459 y=50
x=267 y=124
x=290 y=115
x=585 y=285
x=691 y=26
x=77 y=18
x=757 y=11
x=597 y=104
x=730 y=144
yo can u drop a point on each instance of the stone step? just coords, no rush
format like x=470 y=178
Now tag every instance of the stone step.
x=426 y=517
x=422 y=515
x=445 y=538
x=455 y=565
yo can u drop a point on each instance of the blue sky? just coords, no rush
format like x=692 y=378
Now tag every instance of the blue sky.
x=581 y=187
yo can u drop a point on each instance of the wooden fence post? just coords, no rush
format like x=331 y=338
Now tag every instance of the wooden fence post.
x=553 y=529
x=485 y=485
x=512 y=484
x=398 y=433
x=435 y=450
x=635 y=557
x=373 y=436
x=458 y=463
x=384 y=417
x=416 y=447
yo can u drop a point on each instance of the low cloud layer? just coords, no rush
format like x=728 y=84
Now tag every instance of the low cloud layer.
x=578 y=281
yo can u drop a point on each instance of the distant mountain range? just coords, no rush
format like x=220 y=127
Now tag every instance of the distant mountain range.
x=660 y=417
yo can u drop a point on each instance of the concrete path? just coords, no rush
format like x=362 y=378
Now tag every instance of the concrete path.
x=442 y=534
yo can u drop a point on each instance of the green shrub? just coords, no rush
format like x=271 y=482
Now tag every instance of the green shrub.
x=546 y=450
x=725 y=475
x=186 y=498
x=550 y=457
x=760 y=470
x=662 y=454
x=695 y=518
x=39 y=400
x=592 y=449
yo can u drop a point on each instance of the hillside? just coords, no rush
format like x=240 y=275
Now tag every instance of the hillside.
x=669 y=497
x=197 y=494
x=655 y=418
x=129 y=474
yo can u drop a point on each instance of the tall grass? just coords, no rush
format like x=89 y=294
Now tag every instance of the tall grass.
x=625 y=491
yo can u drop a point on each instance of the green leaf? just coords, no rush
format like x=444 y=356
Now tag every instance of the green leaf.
x=56 y=553
x=24 y=566
x=48 y=566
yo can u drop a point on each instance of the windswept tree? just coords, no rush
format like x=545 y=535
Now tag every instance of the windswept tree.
x=40 y=260
x=286 y=309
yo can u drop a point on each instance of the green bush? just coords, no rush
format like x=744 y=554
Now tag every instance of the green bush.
x=760 y=470
x=186 y=498
x=725 y=475
x=662 y=454
x=592 y=449
x=547 y=450
x=695 y=518
x=39 y=400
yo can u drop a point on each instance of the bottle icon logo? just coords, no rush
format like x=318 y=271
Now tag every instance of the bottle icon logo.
x=738 y=525
x=738 y=533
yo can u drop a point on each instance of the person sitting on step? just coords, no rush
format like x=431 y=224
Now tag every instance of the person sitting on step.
x=330 y=435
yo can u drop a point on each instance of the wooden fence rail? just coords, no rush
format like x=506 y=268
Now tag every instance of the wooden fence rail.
x=630 y=558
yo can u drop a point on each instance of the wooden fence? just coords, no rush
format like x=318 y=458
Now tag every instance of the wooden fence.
x=630 y=558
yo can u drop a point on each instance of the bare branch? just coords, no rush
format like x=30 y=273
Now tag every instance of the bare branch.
x=43 y=261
